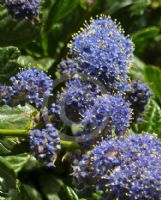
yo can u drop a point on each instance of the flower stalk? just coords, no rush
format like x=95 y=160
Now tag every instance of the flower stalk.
x=70 y=145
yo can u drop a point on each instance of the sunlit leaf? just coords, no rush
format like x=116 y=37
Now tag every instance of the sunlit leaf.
x=151 y=120
x=19 y=117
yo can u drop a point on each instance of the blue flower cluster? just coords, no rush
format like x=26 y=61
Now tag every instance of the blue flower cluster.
x=23 y=9
x=112 y=113
x=78 y=96
x=68 y=67
x=124 y=168
x=102 y=51
x=45 y=144
x=96 y=97
x=31 y=85
x=138 y=95
x=55 y=109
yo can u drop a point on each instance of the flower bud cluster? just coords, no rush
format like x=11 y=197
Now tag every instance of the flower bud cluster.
x=138 y=94
x=23 y=9
x=45 y=144
x=29 y=86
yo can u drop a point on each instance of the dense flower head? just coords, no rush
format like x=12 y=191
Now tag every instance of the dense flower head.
x=23 y=9
x=125 y=168
x=55 y=109
x=102 y=51
x=54 y=115
x=31 y=86
x=68 y=67
x=138 y=95
x=45 y=144
x=112 y=113
x=77 y=97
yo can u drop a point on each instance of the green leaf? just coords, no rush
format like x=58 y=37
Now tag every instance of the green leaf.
x=60 y=10
x=53 y=196
x=149 y=74
x=84 y=4
x=139 y=6
x=8 y=179
x=16 y=32
x=146 y=33
x=69 y=193
x=151 y=119
x=8 y=62
x=116 y=5
x=142 y=37
x=5 y=198
x=153 y=78
x=16 y=162
x=6 y=145
x=137 y=69
x=19 y=117
x=97 y=195
x=43 y=64
x=51 y=186
x=26 y=192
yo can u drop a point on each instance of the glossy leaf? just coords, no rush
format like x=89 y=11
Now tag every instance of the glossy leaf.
x=8 y=179
x=16 y=162
x=51 y=185
x=142 y=37
x=70 y=193
x=26 y=192
x=43 y=64
x=19 y=117
x=8 y=62
x=153 y=78
x=60 y=10
x=138 y=7
x=136 y=70
x=16 y=32
x=6 y=145
x=151 y=121
x=115 y=6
